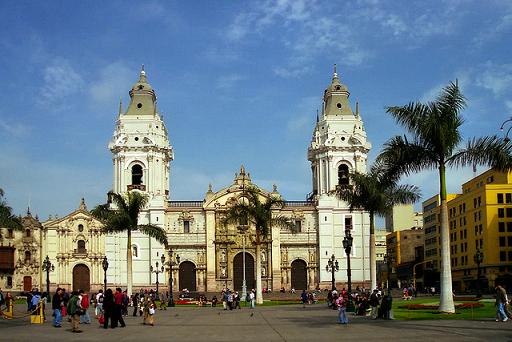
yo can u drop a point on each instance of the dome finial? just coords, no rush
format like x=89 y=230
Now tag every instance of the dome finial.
x=335 y=74
x=142 y=72
x=120 y=106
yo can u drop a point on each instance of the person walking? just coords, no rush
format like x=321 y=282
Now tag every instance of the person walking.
x=163 y=301
x=252 y=298
x=501 y=301
x=374 y=303
x=84 y=303
x=99 y=303
x=74 y=311
x=304 y=298
x=109 y=307
x=57 y=307
x=341 y=303
x=118 y=313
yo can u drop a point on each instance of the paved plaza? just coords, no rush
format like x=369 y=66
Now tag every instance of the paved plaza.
x=276 y=323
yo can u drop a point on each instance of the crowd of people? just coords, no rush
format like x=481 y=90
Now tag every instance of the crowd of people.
x=110 y=307
x=376 y=304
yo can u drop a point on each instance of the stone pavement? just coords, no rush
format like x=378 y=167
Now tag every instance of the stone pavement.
x=277 y=323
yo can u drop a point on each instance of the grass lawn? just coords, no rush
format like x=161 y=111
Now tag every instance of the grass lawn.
x=401 y=313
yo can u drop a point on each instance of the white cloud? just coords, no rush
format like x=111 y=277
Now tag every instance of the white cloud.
x=52 y=177
x=60 y=81
x=15 y=129
x=111 y=82
x=228 y=81
x=496 y=78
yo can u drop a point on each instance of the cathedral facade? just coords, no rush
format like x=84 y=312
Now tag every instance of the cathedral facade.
x=206 y=254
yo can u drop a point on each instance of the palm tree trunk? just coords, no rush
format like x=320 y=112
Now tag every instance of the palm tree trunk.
x=259 y=292
x=129 y=263
x=446 y=300
x=373 y=253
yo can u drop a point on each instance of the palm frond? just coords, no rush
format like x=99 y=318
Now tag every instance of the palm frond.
x=155 y=232
x=117 y=222
x=7 y=218
x=399 y=156
x=490 y=151
x=102 y=212
x=451 y=98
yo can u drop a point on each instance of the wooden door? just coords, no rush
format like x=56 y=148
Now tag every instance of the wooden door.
x=238 y=271
x=27 y=283
x=81 y=278
x=187 y=276
x=299 y=275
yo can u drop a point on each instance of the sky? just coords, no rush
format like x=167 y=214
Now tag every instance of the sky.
x=238 y=82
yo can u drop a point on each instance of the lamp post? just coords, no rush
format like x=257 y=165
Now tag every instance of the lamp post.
x=48 y=267
x=104 y=264
x=156 y=270
x=387 y=260
x=506 y=139
x=332 y=266
x=478 y=258
x=243 y=230
x=347 y=245
x=171 y=263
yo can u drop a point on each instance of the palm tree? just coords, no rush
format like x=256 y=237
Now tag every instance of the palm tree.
x=254 y=211
x=7 y=218
x=123 y=217
x=376 y=192
x=436 y=136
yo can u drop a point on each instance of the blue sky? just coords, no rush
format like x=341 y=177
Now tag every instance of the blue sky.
x=237 y=82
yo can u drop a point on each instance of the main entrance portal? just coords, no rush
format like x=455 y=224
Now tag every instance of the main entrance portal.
x=238 y=271
x=299 y=275
x=187 y=276
x=81 y=278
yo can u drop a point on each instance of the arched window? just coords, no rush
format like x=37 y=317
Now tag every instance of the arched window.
x=27 y=232
x=343 y=175
x=135 y=251
x=80 y=246
x=28 y=256
x=136 y=174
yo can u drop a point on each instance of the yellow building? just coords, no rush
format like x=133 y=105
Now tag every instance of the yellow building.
x=431 y=229
x=480 y=219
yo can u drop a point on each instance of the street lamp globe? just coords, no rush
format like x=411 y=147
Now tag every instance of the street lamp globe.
x=105 y=263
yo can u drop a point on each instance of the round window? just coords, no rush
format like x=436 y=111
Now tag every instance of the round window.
x=342 y=138
x=136 y=138
x=141 y=86
x=80 y=227
x=139 y=105
x=338 y=105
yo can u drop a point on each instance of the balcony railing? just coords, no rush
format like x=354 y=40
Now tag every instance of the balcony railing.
x=179 y=204
x=140 y=187
x=299 y=203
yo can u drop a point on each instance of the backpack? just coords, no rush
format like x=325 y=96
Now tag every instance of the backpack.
x=100 y=299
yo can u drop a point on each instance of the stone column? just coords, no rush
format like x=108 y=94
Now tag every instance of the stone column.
x=276 y=258
x=211 y=284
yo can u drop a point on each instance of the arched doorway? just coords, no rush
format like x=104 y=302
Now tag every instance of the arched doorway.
x=81 y=278
x=238 y=271
x=299 y=275
x=187 y=276
x=27 y=283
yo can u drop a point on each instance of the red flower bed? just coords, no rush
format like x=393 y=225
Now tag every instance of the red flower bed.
x=436 y=307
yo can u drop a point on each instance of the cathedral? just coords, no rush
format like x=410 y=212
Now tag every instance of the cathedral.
x=207 y=255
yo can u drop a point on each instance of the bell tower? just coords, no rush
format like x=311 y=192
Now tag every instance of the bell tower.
x=141 y=151
x=339 y=146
